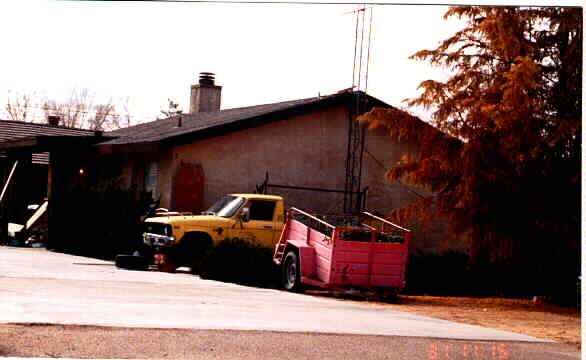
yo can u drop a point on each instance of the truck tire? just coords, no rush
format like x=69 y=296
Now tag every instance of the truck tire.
x=132 y=262
x=291 y=272
x=195 y=248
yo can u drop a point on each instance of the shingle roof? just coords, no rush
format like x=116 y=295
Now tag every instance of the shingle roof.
x=12 y=130
x=192 y=123
x=178 y=129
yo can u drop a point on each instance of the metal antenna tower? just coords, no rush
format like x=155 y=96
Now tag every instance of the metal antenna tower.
x=353 y=195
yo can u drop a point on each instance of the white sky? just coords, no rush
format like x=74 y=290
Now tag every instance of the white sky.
x=264 y=53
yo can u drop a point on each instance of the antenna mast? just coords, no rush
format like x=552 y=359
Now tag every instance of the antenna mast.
x=353 y=195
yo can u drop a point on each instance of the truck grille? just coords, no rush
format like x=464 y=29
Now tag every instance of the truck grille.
x=158 y=229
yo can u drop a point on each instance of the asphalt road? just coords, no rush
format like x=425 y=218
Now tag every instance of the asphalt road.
x=122 y=343
x=38 y=286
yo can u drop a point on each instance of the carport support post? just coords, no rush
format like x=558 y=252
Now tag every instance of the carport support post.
x=3 y=217
x=53 y=183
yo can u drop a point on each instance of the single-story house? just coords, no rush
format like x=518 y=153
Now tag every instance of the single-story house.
x=190 y=160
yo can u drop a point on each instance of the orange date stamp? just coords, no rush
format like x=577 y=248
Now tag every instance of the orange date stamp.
x=468 y=351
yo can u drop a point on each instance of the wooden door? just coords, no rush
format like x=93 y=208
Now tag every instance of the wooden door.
x=189 y=188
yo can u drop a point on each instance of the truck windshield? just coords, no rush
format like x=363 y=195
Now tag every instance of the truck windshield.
x=226 y=206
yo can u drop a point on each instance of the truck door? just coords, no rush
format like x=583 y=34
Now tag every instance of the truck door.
x=262 y=222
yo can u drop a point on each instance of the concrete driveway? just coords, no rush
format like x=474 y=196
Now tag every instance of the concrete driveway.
x=44 y=287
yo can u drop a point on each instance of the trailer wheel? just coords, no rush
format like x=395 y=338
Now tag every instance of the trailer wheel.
x=389 y=296
x=291 y=272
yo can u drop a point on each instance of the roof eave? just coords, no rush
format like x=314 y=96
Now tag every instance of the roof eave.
x=42 y=143
x=138 y=147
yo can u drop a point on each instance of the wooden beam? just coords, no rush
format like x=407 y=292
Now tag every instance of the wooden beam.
x=8 y=181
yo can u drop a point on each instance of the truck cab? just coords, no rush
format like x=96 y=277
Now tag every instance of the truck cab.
x=183 y=238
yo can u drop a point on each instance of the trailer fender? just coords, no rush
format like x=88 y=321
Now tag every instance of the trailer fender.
x=306 y=257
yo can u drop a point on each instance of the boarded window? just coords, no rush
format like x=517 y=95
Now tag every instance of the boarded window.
x=151 y=175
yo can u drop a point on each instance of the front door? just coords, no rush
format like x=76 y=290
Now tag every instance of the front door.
x=189 y=187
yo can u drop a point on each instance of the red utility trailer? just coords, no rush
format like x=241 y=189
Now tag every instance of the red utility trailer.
x=337 y=252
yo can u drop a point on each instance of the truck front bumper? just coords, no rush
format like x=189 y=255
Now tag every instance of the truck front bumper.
x=155 y=240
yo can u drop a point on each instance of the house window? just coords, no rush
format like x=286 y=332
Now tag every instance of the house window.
x=151 y=175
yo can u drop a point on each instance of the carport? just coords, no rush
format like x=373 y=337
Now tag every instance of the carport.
x=36 y=162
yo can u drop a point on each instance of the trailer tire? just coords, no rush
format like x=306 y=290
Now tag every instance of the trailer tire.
x=389 y=296
x=291 y=277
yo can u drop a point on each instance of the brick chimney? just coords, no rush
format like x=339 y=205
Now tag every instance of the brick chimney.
x=205 y=96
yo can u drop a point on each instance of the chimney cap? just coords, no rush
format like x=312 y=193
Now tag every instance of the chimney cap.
x=53 y=120
x=207 y=78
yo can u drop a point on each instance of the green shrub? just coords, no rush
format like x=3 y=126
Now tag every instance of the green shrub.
x=240 y=261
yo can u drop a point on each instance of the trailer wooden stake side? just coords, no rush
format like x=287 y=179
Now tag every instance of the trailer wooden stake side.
x=342 y=252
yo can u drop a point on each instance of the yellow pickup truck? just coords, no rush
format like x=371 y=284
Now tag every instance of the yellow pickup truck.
x=181 y=240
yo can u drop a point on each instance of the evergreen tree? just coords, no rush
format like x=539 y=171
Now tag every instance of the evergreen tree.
x=505 y=165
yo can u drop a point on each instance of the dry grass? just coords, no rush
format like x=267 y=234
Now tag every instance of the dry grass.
x=521 y=316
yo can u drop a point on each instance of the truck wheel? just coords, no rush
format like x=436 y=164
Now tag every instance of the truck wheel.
x=195 y=248
x=132 y=262
x=291 y=272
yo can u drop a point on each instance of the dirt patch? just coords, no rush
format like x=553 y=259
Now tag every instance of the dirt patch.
x=544 y=321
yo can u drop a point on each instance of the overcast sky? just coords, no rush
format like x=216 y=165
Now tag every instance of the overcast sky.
x=150 y=52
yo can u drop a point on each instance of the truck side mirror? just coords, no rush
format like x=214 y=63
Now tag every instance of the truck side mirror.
x=245 y=215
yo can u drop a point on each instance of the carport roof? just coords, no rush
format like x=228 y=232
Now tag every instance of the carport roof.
x=15 y=132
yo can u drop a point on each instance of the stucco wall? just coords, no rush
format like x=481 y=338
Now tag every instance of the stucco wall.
x=308 y=150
